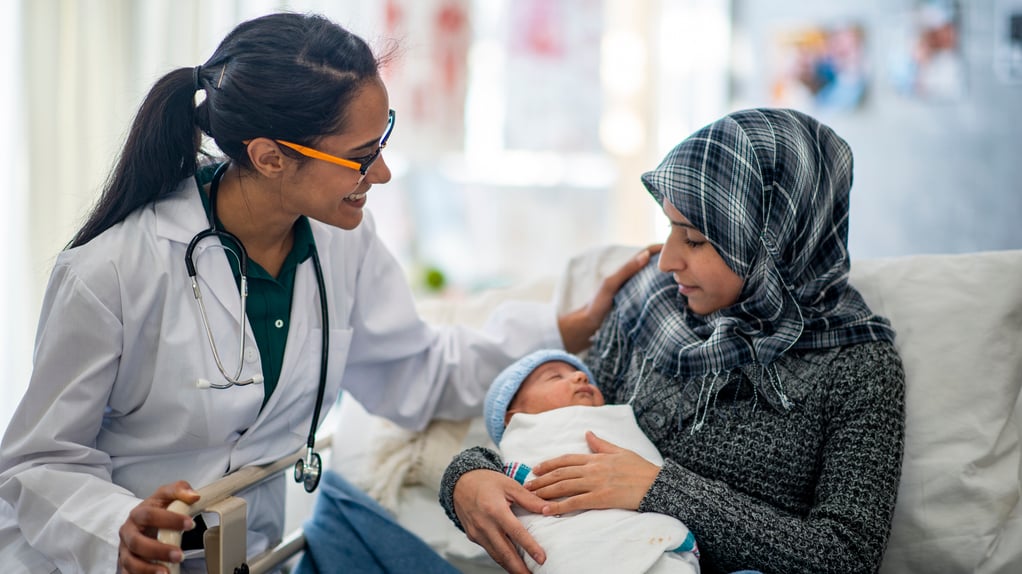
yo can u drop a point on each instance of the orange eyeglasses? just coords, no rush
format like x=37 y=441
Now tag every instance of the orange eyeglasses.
x=361 y=164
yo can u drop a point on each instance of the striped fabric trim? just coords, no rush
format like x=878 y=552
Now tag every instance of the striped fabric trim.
x=688 y=545
x=518 y=471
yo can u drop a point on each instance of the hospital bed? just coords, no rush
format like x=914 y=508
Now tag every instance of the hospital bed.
x=959 y=331
x=226 y=542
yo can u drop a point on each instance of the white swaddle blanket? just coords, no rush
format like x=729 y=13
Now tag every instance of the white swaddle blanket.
x=633 y=542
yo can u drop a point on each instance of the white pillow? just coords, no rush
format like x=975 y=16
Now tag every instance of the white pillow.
x=584 y=272
x=959 y=332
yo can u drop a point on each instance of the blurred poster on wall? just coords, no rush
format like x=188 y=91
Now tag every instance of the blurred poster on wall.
x=818 y=67
x=553 y=75
x=1008 y=41
x=427 y=78
x=926 y=59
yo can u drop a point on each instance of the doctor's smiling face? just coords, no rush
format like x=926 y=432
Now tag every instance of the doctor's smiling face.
x=328 y=191
x=700 y=272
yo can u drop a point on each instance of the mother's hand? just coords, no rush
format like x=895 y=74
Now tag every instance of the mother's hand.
x=578 y=326
x=482 y=501
x=139 y=549
x=611 y=477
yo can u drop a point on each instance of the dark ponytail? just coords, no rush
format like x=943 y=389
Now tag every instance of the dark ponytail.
x=161 y=149
x=282 y=76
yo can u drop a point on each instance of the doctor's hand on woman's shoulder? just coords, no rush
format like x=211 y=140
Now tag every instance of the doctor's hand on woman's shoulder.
x=139 y=549
x=578 y=326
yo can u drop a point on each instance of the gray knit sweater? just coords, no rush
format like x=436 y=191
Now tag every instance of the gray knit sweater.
x=810 y=489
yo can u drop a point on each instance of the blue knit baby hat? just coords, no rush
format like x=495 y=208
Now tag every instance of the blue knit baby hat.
x=507 y=383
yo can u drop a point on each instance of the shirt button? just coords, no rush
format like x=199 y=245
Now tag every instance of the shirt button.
x=250 y=355
x=279 y=323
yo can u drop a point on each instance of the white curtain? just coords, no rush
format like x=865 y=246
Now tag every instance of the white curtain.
x=15 y=280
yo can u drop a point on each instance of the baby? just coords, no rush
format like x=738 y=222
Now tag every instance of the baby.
x=540 y=407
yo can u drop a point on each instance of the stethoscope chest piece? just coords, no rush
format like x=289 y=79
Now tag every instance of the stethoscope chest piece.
x=309 y=470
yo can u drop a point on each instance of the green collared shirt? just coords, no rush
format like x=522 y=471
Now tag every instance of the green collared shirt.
x=269 y=298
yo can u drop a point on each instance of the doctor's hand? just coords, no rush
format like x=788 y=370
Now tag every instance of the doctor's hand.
x=139 y=548
x=610 y=477
x=482 y=501
x=577 y=327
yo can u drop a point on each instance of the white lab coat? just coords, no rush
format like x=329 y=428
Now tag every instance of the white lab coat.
x=112 y=410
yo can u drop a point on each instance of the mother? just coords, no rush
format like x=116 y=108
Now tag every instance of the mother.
x=774 y=393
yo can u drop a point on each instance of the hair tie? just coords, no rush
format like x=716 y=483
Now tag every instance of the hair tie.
x=196 y=77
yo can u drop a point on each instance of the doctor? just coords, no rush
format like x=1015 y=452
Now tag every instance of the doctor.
x=144 y=375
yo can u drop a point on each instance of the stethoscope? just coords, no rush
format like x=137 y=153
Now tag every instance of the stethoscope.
x=309 y=469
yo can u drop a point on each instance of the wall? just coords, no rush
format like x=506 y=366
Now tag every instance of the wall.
x=930 y=176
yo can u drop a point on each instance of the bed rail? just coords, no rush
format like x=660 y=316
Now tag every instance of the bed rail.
x=225 y=544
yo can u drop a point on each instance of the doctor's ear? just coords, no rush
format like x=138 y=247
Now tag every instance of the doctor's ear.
x=265 y=156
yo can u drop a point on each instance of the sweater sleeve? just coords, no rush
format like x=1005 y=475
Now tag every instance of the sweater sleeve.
x=475 y=458
x=847 y=527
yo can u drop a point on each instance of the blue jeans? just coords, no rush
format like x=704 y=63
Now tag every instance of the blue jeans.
x=351 y=533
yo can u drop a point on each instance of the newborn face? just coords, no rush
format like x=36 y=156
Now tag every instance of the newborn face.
x=551 y=386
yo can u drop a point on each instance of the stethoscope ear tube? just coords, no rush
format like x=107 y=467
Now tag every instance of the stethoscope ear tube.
x=190 y=251
x=212 y=231
x=221 y=234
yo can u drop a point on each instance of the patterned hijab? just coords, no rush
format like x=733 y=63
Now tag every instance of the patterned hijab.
x=769 y=190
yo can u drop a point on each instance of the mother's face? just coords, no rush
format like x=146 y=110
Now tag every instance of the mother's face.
x=701 y=274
